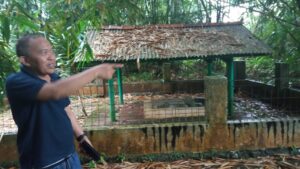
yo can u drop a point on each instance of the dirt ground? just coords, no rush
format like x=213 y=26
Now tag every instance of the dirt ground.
x=273 y=162
x=279 y=161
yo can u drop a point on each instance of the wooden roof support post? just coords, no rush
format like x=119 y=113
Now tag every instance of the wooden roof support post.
x=120 y=85
x=230 y=77
x=111 y=95
x=166 y=69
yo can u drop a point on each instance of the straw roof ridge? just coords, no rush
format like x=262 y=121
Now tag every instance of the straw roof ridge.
x=168 y=26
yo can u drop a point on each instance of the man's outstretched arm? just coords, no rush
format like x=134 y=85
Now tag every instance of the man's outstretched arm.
x=65 y=87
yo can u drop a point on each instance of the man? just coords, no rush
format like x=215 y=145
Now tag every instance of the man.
x=41 y=108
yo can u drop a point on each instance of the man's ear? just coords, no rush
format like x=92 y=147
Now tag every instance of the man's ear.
x=24 y=60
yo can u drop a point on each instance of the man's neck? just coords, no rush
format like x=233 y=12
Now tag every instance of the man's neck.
x=45 y=77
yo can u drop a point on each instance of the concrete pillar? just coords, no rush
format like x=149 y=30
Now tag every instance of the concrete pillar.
x=239 y=70
x=281 y=76
x=166 y=72
x=215 y=90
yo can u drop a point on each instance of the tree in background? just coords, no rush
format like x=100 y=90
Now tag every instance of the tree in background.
x=277 y=22
x=65 y=22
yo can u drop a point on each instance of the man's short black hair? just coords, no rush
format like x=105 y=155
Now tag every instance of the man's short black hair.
x=22 y=46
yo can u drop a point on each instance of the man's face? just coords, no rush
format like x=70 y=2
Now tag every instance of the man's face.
x=42 y=58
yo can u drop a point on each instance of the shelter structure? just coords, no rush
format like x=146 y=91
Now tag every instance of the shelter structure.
x=211 y=41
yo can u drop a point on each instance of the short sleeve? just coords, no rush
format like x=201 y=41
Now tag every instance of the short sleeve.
x=66 y=101
x=23 y=87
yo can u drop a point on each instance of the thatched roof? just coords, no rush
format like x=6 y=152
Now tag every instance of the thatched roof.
x=121 y=43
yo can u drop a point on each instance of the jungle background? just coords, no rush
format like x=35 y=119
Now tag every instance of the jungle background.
x=65 y=22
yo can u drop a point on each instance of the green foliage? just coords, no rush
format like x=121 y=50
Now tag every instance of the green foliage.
x=147 y=71
x=278 y=24
x=92 y=164
x=180 y=70
x=182 y=11
x=188 y=70
x=121 y=158
x=140 y=77
x=65 y=24
x=102 y=159
x=261 y=68
x=294 y=150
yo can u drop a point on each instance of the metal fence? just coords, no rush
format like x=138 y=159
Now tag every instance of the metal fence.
x=175 y=101
x=266 y=101
x=140 y=108
x=253 y=100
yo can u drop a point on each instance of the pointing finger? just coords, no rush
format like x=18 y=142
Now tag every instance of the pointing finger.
x=117 y=66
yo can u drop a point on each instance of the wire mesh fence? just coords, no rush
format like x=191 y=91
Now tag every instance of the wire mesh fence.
x=7 y=124
x=175 y=101
x=142 y=108
x=254 y=100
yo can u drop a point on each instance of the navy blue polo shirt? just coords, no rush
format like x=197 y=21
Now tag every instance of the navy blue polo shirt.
x=45 y=133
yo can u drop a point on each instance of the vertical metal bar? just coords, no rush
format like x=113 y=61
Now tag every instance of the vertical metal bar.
x=111 y=94
x=120 y=85
x=230 y=76
x=209 y=67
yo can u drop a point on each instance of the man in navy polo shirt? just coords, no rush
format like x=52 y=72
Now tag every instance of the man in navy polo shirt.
x=41 y=107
